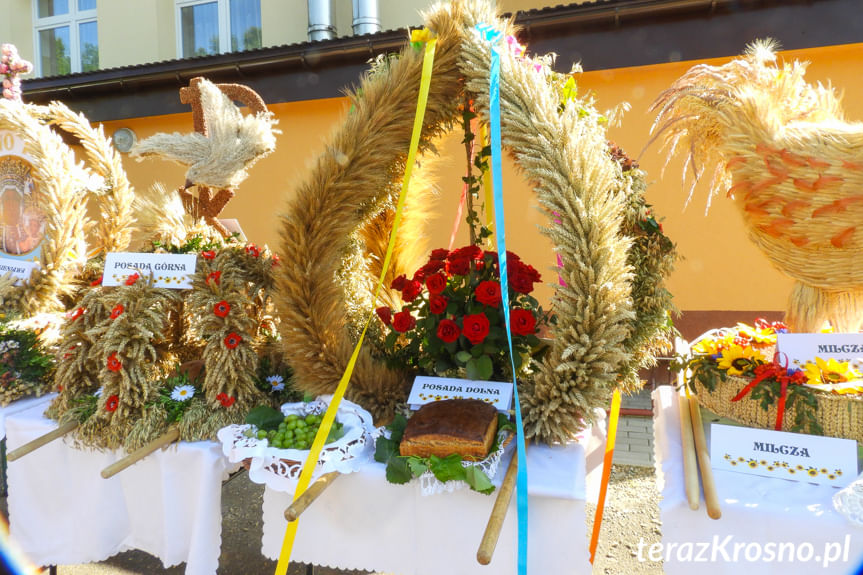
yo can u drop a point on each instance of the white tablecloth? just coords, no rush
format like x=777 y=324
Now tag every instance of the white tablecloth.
x=22 y=405
x=363 y=522
x=61 y=511
x=762 y=516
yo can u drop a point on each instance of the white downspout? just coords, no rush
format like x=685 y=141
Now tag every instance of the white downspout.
x=366 y=19
x=321 y=20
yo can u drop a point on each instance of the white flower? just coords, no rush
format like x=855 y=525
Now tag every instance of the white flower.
x=98 y=393
x=182 y=393
x=13 y=344
x=277 y=382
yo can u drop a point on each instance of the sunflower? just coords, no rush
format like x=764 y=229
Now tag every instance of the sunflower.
x=761 y=335
x=832 y=371
x=707 y=346
x=737 y=359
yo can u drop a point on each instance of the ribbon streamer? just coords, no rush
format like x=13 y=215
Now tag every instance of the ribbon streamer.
x=783 y=389
x=330 y=414
x=493 y=36
x=607 y=460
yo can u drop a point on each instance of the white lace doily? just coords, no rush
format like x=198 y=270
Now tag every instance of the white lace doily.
x=280 y=469
x=849 y=501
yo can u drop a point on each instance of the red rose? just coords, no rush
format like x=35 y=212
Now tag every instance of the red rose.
x=232 y=340
x=399 y=282
x=385 y=314
x=475 y=327
x=253 y=250
x=215 y=276
x=413 y=288
x=439 y=254
x=117 y=311
x=111 y=403
x=471 y=252
x=403 y=321
x=132 y=279
x=448 y=331
x=114 y=364
x=96 y=282
x=208 y=255
x=436 y=283
x=428 y=269
x=522 y=322
x=437 y=303
x=521 y=283
x=458 y=267
x=222 y=308
x=488 y=293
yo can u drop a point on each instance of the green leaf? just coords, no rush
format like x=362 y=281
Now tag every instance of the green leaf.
x=503 y=423
x=463 y=356
x=448 y=468
x=265 y=417
x=397 y=427
x=478 y=480
x=443 y=366
x=337 y=431
x=418 y=465
x=480 y=368
x=398 y=470
x=476 y=350
x=385 y=449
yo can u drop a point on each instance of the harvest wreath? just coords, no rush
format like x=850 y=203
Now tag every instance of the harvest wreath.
x=613 y=311
x=735 y=373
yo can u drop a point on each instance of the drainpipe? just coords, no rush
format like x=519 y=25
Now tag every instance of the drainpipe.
x=366 y=19
x=321 y=20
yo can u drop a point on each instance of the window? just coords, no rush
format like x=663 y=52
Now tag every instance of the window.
x=217 y=26
x=66 y=36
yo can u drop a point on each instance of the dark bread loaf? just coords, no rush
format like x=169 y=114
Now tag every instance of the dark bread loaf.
x=441 y=428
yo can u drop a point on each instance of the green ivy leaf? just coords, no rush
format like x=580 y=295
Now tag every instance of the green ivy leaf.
x=478 y=480
x=418 y=465
x=397 y=427
x=398 y=470
x=448 y=468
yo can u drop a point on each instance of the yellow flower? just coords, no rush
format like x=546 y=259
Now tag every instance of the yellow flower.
x=737 y=359
x=706 y=346
x=421 y=36
x=831 y=371
x=759 y=336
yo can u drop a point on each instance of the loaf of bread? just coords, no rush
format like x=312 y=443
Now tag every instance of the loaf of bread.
x=441 y=428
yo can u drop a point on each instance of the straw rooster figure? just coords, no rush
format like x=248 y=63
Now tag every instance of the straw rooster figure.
x=220 y=150
x=793 y=166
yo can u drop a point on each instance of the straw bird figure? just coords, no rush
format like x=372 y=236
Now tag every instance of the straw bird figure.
x=223 y=146
x=793 y=166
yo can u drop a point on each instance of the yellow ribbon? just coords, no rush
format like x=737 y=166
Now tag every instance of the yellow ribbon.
x=330 y=414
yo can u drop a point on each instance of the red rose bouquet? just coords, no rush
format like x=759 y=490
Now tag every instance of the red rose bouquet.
x=452 y=320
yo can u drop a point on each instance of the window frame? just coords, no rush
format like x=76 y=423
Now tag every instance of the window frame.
x=224 y=23
x=73 y=19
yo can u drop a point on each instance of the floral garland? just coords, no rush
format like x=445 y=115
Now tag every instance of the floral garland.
x=26 y=366
x=11 y=64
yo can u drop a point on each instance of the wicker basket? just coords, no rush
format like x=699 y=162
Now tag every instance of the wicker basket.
x=838 y=415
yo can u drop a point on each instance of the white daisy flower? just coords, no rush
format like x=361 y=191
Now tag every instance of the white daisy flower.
x=277 y=382
x=182 y=393
x=98 y=393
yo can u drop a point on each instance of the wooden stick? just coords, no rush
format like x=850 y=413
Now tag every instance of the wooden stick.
x=711 y=498
x=498 y=513
x=170 y=436
x=31 y=446
x=295 y=509
x=690 y=462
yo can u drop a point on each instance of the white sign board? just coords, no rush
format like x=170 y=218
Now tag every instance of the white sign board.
x=172 y=271
x=20 y=269
x=801 y=348
x=784 y=455
x=428 y=389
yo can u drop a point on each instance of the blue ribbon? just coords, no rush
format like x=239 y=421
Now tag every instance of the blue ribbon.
x=492 y=35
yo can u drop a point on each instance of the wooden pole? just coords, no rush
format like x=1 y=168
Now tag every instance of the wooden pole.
x=170 y=436
x=690 y=462
x=711 y=498
x=606 y=471
x=296 y=508
x=498 y=513
x=42 y=440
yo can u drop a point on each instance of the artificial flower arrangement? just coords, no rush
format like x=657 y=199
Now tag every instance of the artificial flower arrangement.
x=748 y=353
x=26 y=363
x=452 y=320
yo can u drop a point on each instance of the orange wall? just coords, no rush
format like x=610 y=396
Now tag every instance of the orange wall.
x=722 y=270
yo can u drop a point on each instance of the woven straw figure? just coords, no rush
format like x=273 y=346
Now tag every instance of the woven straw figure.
x=793 y=166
